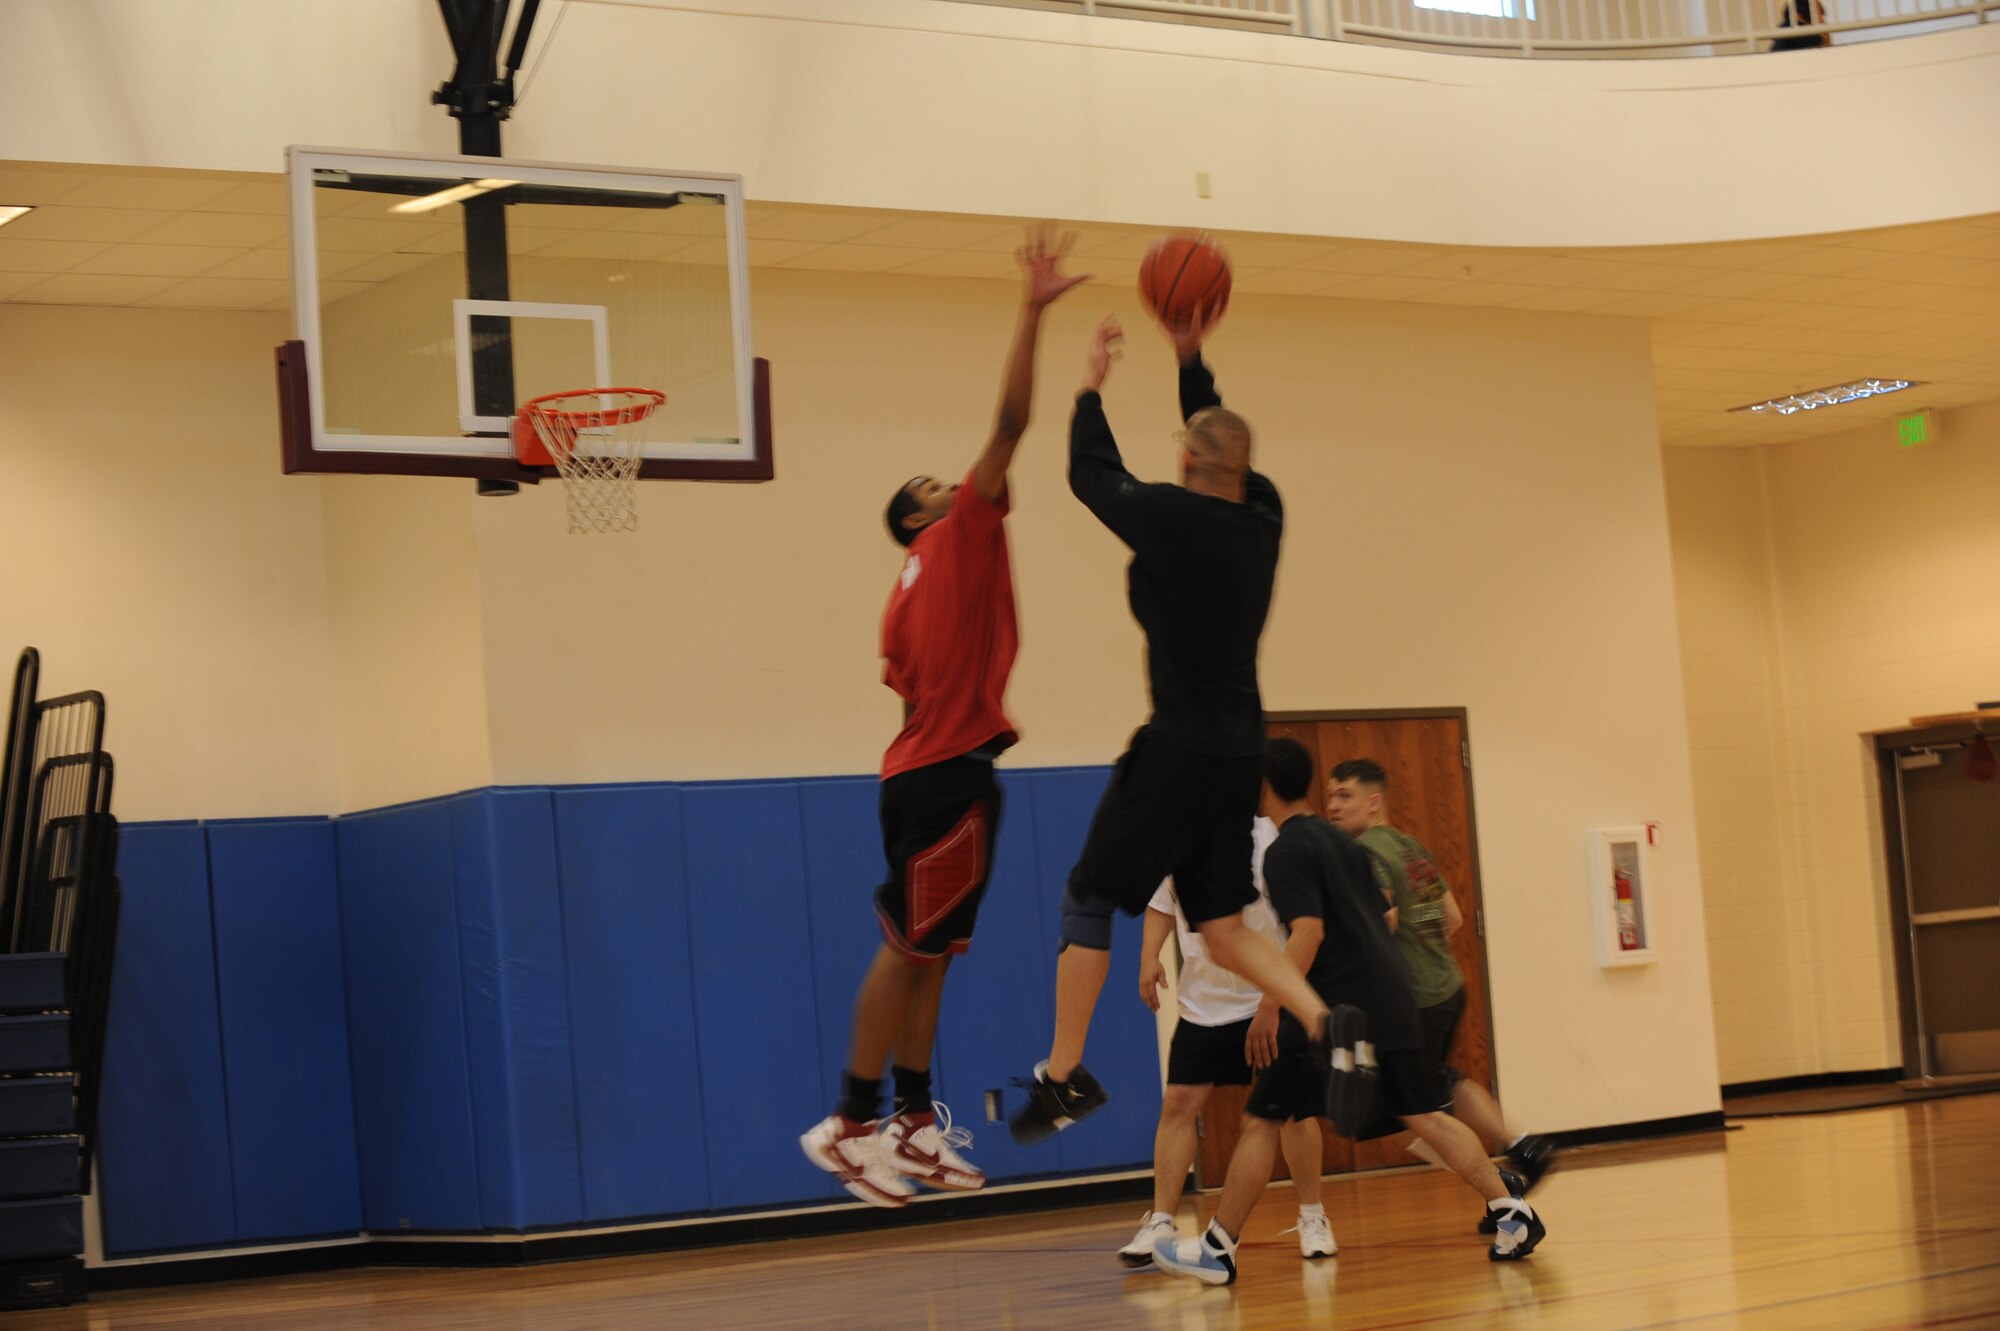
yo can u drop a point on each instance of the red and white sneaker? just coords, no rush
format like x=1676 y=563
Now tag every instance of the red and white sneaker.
x=920 y=1147
x=852 y=1153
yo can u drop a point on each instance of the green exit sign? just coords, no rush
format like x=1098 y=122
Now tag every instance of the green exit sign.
x=1919 y=427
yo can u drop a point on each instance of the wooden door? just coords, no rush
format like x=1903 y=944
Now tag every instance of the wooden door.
x=1428 y=761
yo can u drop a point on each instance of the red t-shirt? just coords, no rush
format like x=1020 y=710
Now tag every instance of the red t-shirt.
x=949 y=635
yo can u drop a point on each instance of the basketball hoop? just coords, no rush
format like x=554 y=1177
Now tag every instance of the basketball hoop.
x=588 y=435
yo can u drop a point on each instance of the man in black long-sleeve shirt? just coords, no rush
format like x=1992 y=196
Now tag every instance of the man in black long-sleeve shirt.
x=1183 y=796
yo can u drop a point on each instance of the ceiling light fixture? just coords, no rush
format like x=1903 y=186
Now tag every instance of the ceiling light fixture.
x=10 y=211
x=1828 y=397
x=455 y=194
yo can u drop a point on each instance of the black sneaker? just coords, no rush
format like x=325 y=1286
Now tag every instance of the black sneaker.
x=1353 y=1083
x=1516 y=1187
x=1517 y=1229
x=1531 y=1157
x=1053 y=1106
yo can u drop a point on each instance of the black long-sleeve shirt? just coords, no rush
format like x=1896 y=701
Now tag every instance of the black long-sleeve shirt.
x=1199 y=582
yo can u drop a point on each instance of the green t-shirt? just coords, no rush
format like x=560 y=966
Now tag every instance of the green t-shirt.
x=1419 y=891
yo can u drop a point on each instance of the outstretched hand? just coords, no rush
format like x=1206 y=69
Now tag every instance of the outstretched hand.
x=1189 y=333
x=1107 y=346
x=1040 y=260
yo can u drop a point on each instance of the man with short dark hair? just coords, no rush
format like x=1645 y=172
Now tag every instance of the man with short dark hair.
x=948 y=644
x=1181 y=799
x=1425 y=918
x=1325 y=890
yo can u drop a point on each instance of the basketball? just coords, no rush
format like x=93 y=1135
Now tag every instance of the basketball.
x=1182 y=274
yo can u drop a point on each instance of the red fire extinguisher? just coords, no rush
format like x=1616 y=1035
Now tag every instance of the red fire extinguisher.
x=1628 y=911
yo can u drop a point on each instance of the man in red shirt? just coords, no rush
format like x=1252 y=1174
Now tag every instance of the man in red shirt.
x=948 y=644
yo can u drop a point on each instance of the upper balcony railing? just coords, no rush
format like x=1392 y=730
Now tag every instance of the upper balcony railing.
x=1562 y=28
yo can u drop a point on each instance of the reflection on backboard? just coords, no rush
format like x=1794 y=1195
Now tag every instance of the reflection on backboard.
x=434 y=296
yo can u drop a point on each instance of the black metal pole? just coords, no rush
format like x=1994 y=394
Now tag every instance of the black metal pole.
x=480 y=97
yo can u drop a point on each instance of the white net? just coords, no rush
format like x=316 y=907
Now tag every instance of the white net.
x=596 y=439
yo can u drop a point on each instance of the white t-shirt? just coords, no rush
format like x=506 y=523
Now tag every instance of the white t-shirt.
x=1210 y=995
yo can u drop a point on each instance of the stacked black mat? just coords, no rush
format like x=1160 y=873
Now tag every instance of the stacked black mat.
x=58 y=934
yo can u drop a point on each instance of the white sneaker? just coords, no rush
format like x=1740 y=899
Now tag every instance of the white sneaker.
x=1315 y=1236
x=851 y=1153
x=1156 y=1226
x=919 y=1146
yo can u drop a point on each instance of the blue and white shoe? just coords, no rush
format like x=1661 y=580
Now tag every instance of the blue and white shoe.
x=1517 y=1186
x=1211 y=1259
x=1516 y=1229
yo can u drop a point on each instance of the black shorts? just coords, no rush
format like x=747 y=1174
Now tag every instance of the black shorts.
x=1170 y=811
x=1294 y=1086
x=938 y=827
x=1440 y=1023
x=1208 y=1055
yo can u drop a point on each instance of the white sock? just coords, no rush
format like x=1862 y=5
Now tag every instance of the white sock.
x=1218 y=1239
x=1512 y=1202
x=1167 y=1216
x=1307 y=1211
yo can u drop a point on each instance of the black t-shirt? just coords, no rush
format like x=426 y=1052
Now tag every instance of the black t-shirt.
x=1199 y=583
x=1315 y=869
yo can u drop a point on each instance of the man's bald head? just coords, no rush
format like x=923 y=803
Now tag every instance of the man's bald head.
x=1218 y=443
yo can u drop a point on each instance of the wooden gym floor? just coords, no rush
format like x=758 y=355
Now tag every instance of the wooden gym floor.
x=1871 y=1219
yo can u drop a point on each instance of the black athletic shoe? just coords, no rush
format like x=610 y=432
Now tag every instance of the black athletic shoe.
x=1517 y=1229
x=1516 y=1187
x=1053 y=1106
x=1353 y=1084
x=1531 y=1157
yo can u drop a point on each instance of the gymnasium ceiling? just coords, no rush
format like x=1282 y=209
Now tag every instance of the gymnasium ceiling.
x=1732 y=323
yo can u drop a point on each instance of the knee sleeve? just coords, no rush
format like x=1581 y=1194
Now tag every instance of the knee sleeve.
x=1086 y=921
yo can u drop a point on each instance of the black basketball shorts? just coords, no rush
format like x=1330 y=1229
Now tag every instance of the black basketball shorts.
x=1209 y=1055
x=1440 y=1025
x=1294 y=1085
x=938 y=827
x=1172 y=811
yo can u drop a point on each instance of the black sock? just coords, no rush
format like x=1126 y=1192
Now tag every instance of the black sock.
x=913 y=1090
x=860 y=1098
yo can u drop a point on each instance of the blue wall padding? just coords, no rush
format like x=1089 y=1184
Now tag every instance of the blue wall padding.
x=631 y=1001
x=413 y=1112
x=999 y=1004
x=164 y=1131
x=527 y=1009
x=1123 y=1049
x=844 y=865
x=750 y=928
x=517 y=1008
x=284 y=1027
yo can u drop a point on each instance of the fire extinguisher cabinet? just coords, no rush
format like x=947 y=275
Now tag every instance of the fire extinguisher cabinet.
x=1621 y=883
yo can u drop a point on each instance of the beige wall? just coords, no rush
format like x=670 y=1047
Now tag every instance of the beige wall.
x=267 y=644
x=933 y=106
x=408 y=644
x=1760 y=946
x=1827 y=588
x=153 y=551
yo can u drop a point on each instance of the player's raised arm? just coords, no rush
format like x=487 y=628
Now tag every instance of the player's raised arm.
x=1042 y=283
x=1097 y=473
x=1197 y=384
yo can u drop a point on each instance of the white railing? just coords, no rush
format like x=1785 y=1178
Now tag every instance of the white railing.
x=1553 y=27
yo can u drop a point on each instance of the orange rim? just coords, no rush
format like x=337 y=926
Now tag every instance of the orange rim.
x=651 y=400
